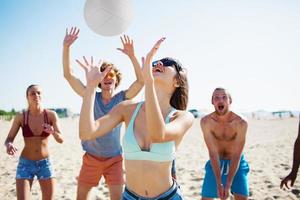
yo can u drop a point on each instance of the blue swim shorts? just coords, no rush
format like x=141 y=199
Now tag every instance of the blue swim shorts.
x=174 y=193
x=240 y=183
x=27 y=169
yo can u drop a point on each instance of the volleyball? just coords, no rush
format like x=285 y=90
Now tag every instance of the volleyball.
x=108 y=17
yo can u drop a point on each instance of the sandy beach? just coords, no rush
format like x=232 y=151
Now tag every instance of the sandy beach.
x=268 y=150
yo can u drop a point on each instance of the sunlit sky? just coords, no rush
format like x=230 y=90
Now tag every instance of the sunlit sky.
x=252 y=48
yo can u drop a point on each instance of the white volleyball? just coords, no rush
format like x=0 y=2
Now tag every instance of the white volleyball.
x=108 y=17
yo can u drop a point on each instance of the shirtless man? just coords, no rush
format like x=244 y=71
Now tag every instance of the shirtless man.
x=224 y=134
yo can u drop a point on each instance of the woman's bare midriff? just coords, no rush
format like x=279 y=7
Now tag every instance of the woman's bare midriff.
x=148 y=178
x=36 y=148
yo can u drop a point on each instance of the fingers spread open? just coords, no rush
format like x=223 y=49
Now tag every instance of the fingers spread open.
x=100 y=63
x=143 y=62
x=158 y=43
x=127 y=39
x=85 y=60
x=82 y=65
x=92 y=60
x=120 y=49
x=77 y=32
x=122 y=40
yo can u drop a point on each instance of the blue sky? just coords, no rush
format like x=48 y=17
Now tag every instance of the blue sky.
x=251 y=48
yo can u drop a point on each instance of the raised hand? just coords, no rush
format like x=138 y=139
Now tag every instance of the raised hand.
x=146 y=62
x=71 y=36
x=128 y=48
x=92 y=72
x=10 y=149
x=48 y=128
x=290 y=178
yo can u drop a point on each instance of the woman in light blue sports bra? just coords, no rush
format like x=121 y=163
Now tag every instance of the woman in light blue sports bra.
x=154 y=127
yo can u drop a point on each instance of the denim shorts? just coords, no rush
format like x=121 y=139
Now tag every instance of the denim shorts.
x=174 y=193
x=27 y=169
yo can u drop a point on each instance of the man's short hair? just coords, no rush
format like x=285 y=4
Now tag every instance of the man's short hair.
x=225 y=90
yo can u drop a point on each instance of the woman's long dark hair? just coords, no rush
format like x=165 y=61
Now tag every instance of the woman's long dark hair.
x=180 y=96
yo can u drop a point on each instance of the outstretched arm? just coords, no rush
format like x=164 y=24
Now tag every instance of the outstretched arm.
x=296 y=162
x=74 y=82
x=89 y=128
x=236 y=157
x=159 y=131
x=10 y=148
x=213 y=154
x=138 y=84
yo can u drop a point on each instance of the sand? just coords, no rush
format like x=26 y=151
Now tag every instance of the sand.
x=268 y=150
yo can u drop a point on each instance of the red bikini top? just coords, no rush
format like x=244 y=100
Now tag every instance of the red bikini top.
x=26 y=129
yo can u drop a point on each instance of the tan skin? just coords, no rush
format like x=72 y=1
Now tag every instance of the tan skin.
x=224 y=134
x=290 y=179
x=36 y=148
x=107 y=88
x=149 y=126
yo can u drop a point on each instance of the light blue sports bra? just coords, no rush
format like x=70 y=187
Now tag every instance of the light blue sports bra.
x=159 y=152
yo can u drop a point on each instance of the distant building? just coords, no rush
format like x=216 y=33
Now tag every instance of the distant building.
x=62 y=112
x=196 y=113
x=283 y=113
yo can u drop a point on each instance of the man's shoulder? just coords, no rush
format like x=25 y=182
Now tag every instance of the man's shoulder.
x=206 y=119
x=120 y=96
x=239 y=118
x=240 y=121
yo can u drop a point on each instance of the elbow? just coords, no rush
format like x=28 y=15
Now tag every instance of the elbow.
x=157 y=139
x=67 y=76
x=61 y=140
x=85 y=130
x=58 y=138
x=158 y=136
x=83 y=135
x=83 y=138
x=140 y=82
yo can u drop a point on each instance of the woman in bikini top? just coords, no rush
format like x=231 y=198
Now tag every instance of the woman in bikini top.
x=37 y=125
x=154 y=128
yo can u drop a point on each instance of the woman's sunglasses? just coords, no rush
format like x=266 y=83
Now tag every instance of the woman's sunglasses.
x=166 y=62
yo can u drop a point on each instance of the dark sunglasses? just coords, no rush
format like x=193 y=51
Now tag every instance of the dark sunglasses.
x=166 y=62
